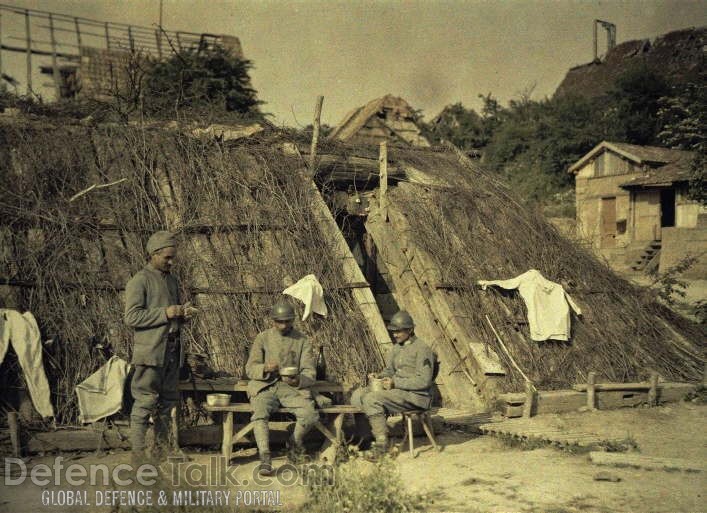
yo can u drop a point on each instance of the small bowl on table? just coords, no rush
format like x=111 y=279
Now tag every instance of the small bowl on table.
x=289 y=371
x=218 y=399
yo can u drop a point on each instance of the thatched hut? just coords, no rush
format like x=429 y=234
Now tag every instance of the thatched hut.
x=251 y=220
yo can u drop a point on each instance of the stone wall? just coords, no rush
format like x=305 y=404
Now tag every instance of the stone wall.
x=681 y=242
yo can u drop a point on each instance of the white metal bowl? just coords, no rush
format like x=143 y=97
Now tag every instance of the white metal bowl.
x=289 y=371
x=218 y=399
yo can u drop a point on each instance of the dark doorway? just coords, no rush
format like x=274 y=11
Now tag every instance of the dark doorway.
x=667 y=207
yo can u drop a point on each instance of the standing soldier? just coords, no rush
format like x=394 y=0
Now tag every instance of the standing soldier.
x=407 y=380
x=275 y=349
x=152 y=308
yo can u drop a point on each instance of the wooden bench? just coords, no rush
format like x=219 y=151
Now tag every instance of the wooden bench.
x=229 y=438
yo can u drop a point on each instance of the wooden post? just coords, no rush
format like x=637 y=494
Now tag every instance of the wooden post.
x=55 y=64
x=28 y=37
x=179 y=42
x=591 y=391
x=227 y=445
x=315 y=134
x=14 y=425
x=529 y=399
x=78 y=33
x=107 y=37
x=0 y=44
x=130 y=38
x=158 y=37
x=653 y=390
x=383 y=179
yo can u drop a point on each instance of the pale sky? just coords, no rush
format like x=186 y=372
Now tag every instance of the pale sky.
x=432 y=53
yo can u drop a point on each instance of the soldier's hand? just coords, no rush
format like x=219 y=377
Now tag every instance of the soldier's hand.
x=387 y=383
x=189 y=310
x=271 y=367
x=174 y=311
x=372 y=375
x=293 y=381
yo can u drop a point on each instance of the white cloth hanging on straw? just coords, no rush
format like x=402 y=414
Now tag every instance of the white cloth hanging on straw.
x=310 y=292
x=547 y=303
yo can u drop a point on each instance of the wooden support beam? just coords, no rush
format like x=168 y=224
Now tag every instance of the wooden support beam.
x=456 y=388
x=351 y=271
x=427 y=274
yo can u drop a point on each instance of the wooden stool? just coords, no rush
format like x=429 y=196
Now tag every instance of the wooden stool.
x=424 y=417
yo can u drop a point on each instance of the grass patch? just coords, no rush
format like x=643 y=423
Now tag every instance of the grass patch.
x=362 y=486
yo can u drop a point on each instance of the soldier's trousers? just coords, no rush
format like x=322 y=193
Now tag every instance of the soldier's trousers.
x=388 y=401
x=268 y=400
x=154 y=391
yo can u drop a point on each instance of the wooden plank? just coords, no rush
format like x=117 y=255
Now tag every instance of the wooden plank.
x=352 y=273
x=620 y=459
x=582 y=387
x=427 y=275
x=458 y=389
x=241 y=385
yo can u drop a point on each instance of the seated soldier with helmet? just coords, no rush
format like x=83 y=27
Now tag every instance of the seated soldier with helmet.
x=274 y=350
x=407 y=380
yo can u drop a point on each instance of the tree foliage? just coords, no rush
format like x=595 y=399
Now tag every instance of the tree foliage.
x=200 y=79
x=534 y=142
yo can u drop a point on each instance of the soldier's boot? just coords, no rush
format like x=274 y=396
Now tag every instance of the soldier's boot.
x=140 y=455
x=296 y=452
x=379 y=428
x=262 y=440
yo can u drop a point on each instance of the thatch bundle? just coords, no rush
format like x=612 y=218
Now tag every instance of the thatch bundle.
x=243 y=216
x=475 y=229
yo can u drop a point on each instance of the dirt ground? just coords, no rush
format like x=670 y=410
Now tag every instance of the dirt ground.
x=483 y=474
x=477 y=473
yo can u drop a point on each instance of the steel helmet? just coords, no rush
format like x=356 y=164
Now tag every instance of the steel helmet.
x=401 y=321
x=282 y=311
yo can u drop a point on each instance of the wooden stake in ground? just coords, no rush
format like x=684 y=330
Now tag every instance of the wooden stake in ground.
x=530 y=392
x=14 y=424
x=383 y=179
x=653 y=390
x=591 y=396
x=315 y=134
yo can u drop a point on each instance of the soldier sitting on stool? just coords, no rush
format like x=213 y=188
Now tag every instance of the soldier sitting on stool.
x=407 y=380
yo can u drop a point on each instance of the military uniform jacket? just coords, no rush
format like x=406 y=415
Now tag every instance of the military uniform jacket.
x=147 y=296
x=291 y=350
x=411 y=365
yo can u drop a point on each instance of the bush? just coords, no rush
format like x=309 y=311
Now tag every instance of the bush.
x=364 y=487
x=194 y=79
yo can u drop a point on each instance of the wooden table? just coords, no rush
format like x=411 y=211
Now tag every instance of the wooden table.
x=225 y=385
